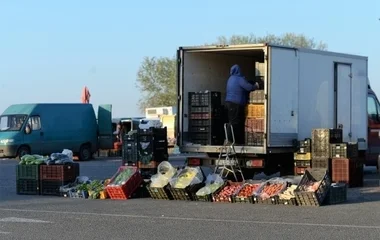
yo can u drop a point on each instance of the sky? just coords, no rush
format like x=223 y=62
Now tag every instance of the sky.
x=50 y=50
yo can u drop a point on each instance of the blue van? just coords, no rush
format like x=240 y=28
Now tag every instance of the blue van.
x=47 y=128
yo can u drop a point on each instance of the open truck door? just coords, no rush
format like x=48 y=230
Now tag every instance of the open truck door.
x=105 y=133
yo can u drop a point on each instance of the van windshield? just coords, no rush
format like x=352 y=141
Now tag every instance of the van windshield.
x=12 y=122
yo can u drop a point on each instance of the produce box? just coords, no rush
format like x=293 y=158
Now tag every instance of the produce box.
x=28 y=172
x=27 y=187
x=185 y=184
x=160 y=193
x=288 y=202
x=313 y=188
x=67 y=172
x=52 y=187
x=337 y=193
x=124 y=183
x=227 y=193
x=288 y=197
x=269 y=191
x=245 y=194
x=78 y=194
x=208 y=197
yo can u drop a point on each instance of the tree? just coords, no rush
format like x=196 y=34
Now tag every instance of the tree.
x=156 y=77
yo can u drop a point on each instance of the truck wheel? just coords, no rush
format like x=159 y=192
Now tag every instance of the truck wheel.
x=22 y=151
x=85 y=153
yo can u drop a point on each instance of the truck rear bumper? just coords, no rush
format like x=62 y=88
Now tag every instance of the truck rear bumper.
x=216 y=149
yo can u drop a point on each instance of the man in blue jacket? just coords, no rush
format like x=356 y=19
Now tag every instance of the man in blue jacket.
x=238 y=89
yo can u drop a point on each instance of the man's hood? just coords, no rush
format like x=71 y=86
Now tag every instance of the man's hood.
x=235 y=70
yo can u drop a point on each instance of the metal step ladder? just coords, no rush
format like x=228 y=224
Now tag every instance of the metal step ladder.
x=227 y=162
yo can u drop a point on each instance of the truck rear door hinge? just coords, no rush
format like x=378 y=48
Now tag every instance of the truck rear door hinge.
x=350 y=75
x=266 y=57
x=179 y=97
x=179 y=60
x=266 y=96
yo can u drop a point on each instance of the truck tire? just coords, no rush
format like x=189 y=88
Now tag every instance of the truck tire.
x=85 y=152
x=22 y=151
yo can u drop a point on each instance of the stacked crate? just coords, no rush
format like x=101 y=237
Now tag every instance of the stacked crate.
x=255 y=119
x=346 y=167
x=130 y=151
x=302 y=156
x=28 y=179
x=320 y=148
x=52 y=177
x=205 y=118
x=152 y=147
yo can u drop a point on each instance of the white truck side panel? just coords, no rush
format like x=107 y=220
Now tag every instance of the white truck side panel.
x=283 y=101
x=316 y=94
x=208 y=71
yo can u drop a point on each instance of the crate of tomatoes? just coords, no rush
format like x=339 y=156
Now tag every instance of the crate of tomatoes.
x=227 y=193
x=269 y=191
x=245 y=195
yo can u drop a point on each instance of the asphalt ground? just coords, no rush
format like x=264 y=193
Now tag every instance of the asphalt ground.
x=43 y=217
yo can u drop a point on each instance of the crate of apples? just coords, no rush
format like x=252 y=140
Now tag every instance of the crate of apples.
x=226 y=194
x=246 y=192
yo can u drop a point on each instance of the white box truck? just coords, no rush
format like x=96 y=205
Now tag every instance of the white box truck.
x=304 y=89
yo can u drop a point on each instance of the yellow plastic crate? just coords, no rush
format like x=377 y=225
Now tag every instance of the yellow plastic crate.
x=255 y=111
x=302 y=156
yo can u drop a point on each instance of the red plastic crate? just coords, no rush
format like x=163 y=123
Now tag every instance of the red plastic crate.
x=126 y=190
x=67 y=172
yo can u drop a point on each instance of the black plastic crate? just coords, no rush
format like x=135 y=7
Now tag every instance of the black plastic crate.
x=288 y=202
x=269 y=201
x=152 y=131
x=28 y=172
x=254 y=139
x=257 y=96
x=27 y=187
x=160 y=193
x=207 y=138
x=199 y=99
x=337 y=194
x=344 y=150
x=188 y=193
x=316 y=198
x=321 y=139
x=302 y=163
x=52 y=187
x=304 y=146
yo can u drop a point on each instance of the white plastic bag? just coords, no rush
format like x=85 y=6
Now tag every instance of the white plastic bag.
x=69 y=153
x=213 y=183
x=165 y=171
x=188 y=176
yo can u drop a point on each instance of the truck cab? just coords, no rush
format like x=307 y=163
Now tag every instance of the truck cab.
x=373 y=106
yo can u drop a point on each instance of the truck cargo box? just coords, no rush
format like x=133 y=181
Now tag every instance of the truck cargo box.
x=303 y=88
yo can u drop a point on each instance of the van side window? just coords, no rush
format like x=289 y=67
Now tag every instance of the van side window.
x=35 y=122
x=372 y=108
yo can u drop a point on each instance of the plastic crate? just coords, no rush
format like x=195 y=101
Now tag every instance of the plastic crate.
x=227 y=199
x=142 y=191
x=300 y=170
x=207 y=138
x=344 y=150
x=257 y=96
x=301 y=163
x=125 y=190
x=68 y=172
x=302 y=156
x=254 y=125
x=269 y=201
x=321 y=162
x=199 y=99
x=337 y=193
x=208 y=197
x=160 y=193
x=187 y=193
x=289 y=202
x=52 y=187
x=315 y=198
x=254 y=139
x=115 y=153
x=255 y=111
x=249 y=199
x=321 y=139
x=28 y=172
x=304 y=146
x=27 y=187
x=78 y=194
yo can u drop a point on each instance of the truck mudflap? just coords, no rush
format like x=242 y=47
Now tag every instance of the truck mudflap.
x=216 y=149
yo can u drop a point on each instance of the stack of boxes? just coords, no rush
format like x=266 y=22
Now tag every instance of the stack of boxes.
x=346 y=166
x=205 y=118
x=145 y=148
x=302 y=156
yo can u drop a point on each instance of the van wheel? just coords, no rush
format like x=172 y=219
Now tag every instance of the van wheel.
x=85 y=153
x=22 y=151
